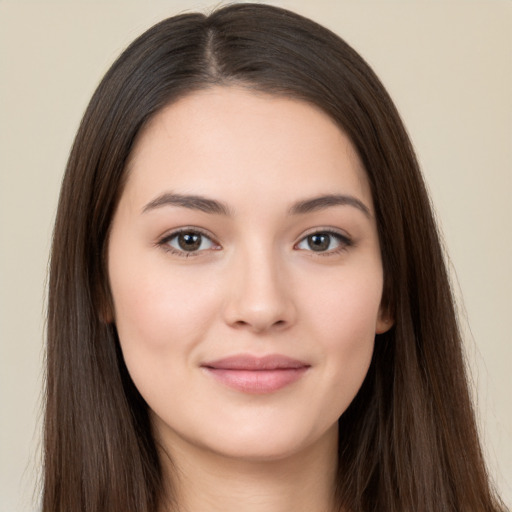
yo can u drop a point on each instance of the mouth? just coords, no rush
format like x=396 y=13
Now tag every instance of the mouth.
x=257 y=375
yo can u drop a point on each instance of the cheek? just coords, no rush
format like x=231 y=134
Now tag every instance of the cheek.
x=345 y=308
x=160 y=319
x=152 y=314
x=344 y=317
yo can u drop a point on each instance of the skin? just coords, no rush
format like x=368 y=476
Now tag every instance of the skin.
x=254 y=286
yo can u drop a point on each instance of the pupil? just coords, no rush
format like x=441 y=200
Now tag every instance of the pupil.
x=319 y=242
x=189 y=241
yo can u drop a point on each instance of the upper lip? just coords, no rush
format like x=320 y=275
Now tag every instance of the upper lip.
x=249 y=362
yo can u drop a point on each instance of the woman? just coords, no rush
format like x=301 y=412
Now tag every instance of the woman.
x=249 y=308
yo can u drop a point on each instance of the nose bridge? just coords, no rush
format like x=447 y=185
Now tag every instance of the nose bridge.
x=259 y=296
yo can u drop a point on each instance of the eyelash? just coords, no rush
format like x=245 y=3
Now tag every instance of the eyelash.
x=164 y=242
x=344 y=242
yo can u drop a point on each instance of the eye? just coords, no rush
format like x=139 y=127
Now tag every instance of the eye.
x=324 y=242
x=188 y=242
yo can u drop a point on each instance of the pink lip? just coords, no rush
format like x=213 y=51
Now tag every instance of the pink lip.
x=260 y=375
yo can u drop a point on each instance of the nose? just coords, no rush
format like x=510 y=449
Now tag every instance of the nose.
x=260 y=294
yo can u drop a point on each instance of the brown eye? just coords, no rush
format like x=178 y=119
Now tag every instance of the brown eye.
x=189 y=241
x=319 y=241
x=324 y=242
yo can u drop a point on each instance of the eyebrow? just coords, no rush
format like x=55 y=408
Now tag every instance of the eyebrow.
x=212 y=206
x=193 y=202
x=322 y=202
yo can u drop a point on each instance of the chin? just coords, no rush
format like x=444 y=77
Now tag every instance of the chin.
x=263 y=442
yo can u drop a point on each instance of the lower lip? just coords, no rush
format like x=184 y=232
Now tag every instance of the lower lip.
x=257 y=381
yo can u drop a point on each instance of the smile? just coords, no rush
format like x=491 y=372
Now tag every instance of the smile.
x=257 y=375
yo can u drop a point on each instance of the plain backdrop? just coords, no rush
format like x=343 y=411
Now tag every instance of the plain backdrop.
x=448 y=66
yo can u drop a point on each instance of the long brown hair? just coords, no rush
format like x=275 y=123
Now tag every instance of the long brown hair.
x=408 y=441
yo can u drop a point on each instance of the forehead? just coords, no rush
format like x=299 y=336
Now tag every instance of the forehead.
x=224 y=140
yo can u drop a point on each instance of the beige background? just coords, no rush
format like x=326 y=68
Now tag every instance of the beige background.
x=448 y=65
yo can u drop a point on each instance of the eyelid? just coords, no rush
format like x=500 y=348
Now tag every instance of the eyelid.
x=328 y=230
x=344 y=239
x=163 y=241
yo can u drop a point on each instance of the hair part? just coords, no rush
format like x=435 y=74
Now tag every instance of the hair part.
x=408 y=441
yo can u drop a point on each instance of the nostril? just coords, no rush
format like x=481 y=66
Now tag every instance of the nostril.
x=243 y=324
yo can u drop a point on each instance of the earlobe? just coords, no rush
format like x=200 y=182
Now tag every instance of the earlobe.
x=106 y=315
x=105 y=307
x=384 y=322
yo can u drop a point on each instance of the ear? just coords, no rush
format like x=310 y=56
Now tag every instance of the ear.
x=105 y=308
x=384 y=321
x=106 y=314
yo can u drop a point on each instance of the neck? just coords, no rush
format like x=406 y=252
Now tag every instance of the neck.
x=208 y=482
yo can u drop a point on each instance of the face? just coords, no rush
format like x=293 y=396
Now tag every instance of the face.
x=245 y=272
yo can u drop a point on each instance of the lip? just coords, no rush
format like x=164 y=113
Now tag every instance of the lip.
x=258 y=375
